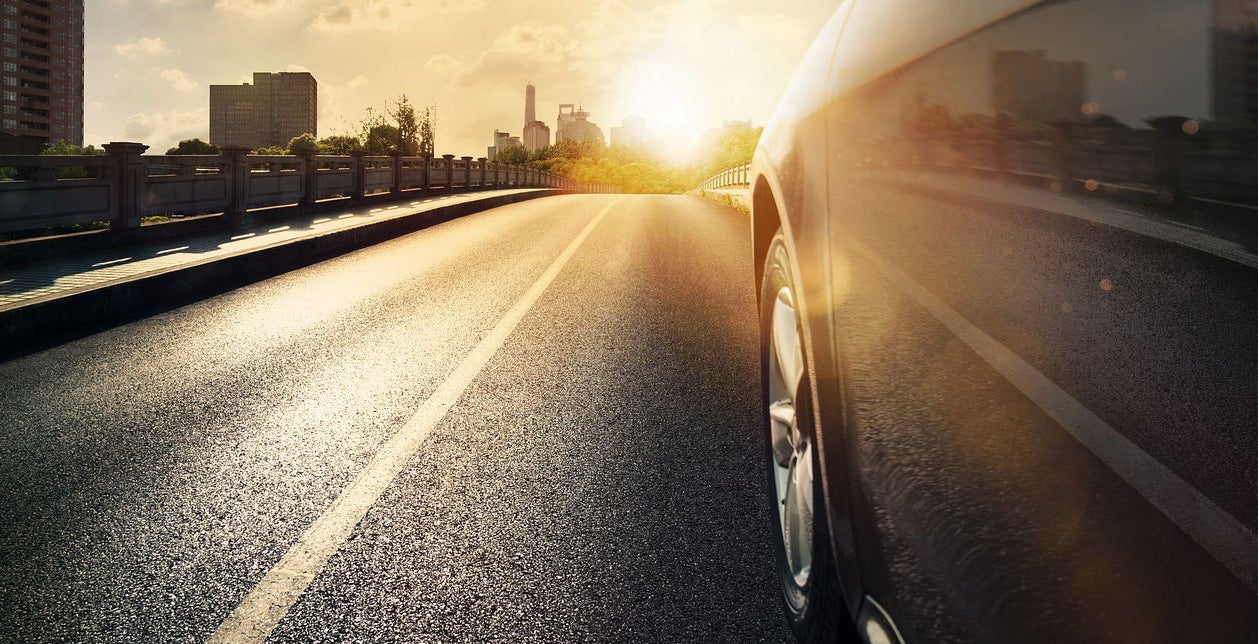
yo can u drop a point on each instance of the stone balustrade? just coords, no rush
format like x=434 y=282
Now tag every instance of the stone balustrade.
x=737 y=176
x=124 y=185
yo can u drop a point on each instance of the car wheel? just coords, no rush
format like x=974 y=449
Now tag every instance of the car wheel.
x=809 y=582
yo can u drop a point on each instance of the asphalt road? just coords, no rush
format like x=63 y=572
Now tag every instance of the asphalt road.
x=591 y=468
x=599 y=479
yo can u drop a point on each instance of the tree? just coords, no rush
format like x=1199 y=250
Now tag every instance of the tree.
x=407 y=126
x=193 y=146
x=428 y=131
x=381 y=139
x=515 y=154
x=270 y=151
x=339 y=144
x=63 y=148
x=303 y=144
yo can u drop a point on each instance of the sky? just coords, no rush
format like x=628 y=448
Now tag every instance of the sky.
x=688 y=65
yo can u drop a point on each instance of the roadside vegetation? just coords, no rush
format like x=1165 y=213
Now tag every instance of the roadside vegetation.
x=634 y=169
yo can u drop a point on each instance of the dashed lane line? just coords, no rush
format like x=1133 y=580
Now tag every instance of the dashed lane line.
x=262 y=609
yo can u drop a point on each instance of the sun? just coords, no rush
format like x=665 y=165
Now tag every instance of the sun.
x=663 y=94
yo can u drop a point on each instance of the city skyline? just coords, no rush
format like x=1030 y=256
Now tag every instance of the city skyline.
x=697 y=62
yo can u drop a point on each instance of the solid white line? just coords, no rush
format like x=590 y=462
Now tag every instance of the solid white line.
x=263 y=608
x=1213 y=528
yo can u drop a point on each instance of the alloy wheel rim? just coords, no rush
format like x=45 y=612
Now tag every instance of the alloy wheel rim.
x=791 y=445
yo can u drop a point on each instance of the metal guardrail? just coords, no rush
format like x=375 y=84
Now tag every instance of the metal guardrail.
x=124 y=185
x=739 y=175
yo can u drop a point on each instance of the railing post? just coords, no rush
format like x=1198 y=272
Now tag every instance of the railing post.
x=427 y=172
x=467 y=173
x=1063 y=147
x=449 y=170
x=308 y=170
x=127 y=180
x=480 y=165
x=396 y=190
x=1169 y=149
x=360 y=176
x=236 y=167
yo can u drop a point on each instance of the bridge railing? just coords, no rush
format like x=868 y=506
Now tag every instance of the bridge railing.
x=733 y=177
x=124 y=186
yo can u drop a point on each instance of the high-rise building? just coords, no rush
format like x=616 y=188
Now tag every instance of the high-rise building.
x=536 y=135
x=270 y=112
x=1235 y=60
x=573 y=123
x=634 y=131
x=41 y=86
x=530 y=103
x=502 y=141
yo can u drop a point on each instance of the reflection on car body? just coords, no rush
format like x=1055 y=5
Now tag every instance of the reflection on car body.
x=994 y=411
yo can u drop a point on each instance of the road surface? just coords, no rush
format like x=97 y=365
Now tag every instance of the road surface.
x=537 y=423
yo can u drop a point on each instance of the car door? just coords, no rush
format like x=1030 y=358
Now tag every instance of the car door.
x=1030 y=210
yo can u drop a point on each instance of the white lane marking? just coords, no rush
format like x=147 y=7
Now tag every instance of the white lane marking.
x=263 y=608
x=1213 y=528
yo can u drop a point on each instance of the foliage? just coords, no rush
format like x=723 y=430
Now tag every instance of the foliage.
x=733 y=147
x=407 y=126
x=515 y=154
x=632 y=169
x=381 y=139
x=193 y=146
x=62 y=148
x=303 y=144
x=270 y=151
x=428 y=131
x=339 y=144
x=405 y=130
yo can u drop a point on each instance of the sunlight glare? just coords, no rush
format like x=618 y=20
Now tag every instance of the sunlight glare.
x=660 y=92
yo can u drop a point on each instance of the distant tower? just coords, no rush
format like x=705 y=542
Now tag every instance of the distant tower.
x=536 y=135
x=530 y=103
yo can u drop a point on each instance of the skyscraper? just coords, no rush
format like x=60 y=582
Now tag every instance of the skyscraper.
x=270 y=112
x=536 y=134
x=1234 y=56
x=573 y=123
x=41 y=95
x=530 y=103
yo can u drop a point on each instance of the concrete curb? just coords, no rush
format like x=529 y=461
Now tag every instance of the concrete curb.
x=65 y=316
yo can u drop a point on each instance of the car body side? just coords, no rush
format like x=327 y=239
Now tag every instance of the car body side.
x=806 y=182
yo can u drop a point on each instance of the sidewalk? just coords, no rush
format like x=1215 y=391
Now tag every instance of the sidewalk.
x=45 y=297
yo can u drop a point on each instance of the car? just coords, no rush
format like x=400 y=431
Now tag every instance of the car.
x=1005 y=258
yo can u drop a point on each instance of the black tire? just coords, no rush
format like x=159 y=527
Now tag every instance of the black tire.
x=815 y=609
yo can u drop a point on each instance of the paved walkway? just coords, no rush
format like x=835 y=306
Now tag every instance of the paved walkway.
x=26 y=283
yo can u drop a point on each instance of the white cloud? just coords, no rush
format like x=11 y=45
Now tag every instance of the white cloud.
x=334 y=103
x=442 y=63
x=149 y=46
x=178 y=80
x=386 y=15
x=258 y=9
x=163 y=130
x=522 y=50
